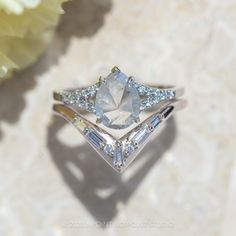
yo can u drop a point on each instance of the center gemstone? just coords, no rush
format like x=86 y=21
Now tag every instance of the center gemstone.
x=117 y=101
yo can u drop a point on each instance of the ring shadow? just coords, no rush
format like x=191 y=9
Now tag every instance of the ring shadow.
x=98 y=186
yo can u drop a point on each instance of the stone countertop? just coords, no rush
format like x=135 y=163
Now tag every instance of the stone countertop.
x=183 y=182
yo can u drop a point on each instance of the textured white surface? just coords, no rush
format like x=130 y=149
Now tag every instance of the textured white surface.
x=183 y=183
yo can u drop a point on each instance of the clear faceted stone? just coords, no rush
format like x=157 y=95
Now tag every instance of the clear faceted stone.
x=108 y=149
x=129 y=149
x=117 y=101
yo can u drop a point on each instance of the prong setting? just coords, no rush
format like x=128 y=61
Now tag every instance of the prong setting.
x=136 y=119
x=101 y=80
x=130 y=80
x=115 y=69
x=99 y=120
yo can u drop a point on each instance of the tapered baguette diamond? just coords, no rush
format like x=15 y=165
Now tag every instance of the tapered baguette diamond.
x=95 y=138
x=117 y=101
x=119 y=159
x=142 y=135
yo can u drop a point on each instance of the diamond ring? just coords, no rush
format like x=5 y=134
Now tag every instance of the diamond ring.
x=118 y=102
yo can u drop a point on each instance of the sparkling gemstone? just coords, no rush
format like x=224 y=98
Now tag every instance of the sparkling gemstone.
x=129 y=149
x=95 y=138
x=117 y=101
x=119 y=159
x=141 y=136
x=155 y=121
x=108 y=149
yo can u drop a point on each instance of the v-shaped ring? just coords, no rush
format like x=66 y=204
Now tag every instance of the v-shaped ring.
x=119 y=153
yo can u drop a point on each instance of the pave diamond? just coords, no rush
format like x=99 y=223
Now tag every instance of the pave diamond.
x=117 y=101
x=81 y=97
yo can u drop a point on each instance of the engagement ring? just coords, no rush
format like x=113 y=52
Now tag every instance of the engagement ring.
x=118 y=101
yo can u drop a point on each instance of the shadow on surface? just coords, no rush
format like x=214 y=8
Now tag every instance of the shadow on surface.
x=93 y=181
x=82 y=18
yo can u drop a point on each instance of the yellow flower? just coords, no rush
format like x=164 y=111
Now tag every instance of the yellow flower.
x=26 y=27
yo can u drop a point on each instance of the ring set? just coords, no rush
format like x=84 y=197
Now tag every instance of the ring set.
x=117 y=101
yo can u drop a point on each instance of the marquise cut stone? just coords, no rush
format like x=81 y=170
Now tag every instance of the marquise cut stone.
x=117 y=101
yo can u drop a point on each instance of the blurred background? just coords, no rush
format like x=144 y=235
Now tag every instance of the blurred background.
x=183 y=183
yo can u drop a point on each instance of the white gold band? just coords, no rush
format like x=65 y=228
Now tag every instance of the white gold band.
x=119 y=153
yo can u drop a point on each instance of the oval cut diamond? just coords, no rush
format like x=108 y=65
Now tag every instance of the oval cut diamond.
x=117 y=101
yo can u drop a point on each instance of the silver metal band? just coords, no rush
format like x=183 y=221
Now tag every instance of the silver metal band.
x=119 y=153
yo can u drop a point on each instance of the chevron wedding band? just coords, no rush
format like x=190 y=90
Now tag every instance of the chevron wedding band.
x=117 y=102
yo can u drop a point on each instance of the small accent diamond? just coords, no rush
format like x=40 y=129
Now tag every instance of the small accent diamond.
x=141 y=135
x=129 y=149
x=155 y=121
x=109 y=150
x=119 y=159
x=95 y=138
